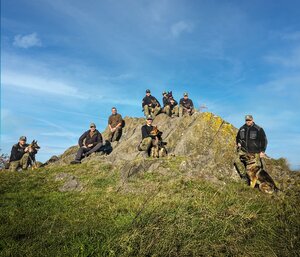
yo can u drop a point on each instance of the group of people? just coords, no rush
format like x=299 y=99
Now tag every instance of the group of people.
x=91 y=141
x=152 y=107
x=251 y=140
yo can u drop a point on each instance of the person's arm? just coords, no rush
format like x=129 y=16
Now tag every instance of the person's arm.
x=191 y=104
x=13 y=154
x=144 y=102
x=181 y=102
x=165 y=101
x=120 y=121
x=82 y=137
x=110 y=122
x=144 y=132
x=158 y=103
x=238 y=139
x=263 y=140
x=99 y=139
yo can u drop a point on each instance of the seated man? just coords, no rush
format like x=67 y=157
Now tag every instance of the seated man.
x=151 y=136
x=150 y=105
x=174 y=109
x=21 y=155
x=89 y=142
x=186 y=105
x=166 y=103
x=146 y=143
x=115 y=125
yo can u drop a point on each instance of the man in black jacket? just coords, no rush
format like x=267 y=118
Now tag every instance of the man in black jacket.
x=251 y=142
x=151 y=105
x=89 y=142
x=174 y=109
x=186 y=105
x=166 y=103
x=146 y=143
x=20 y=155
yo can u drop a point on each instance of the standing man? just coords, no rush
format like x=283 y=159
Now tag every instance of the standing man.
x=186 y=105
x=115 y=125
x=20 y=155
x=251 y=142
x=89 y=142
x=150 y=105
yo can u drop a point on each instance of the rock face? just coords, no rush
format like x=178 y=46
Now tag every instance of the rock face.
x=202 y=145
x=70 y=182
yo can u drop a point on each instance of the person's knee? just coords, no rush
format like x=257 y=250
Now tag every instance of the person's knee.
x=13 y=166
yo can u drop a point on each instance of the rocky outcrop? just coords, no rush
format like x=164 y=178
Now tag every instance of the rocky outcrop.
x=201 y=145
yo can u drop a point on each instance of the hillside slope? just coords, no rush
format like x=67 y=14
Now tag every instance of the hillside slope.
x=191 y=203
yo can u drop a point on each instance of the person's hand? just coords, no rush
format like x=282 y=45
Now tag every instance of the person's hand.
x=262 y=155
x=90 y=145
x=239 y=145
x=26 y=149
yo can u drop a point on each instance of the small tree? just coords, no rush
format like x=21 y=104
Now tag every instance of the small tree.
x=4 y=159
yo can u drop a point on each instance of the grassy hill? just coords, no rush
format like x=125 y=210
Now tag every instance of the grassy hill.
x=163 y=212
x=191 y=203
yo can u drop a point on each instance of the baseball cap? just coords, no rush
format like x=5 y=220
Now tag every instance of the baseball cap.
x=164 y=92
x=92 y=125
x=23 y=138
x=149 y=117
x=248 y=117
x=185 y=94
x=148 y=91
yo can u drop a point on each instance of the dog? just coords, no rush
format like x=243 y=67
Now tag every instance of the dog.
x=154 y=104
x=265 y=183
x=158 y=148
x=256 y=174
x=33 y=148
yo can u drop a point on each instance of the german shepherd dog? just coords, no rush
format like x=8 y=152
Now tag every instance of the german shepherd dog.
x=257 y=174
x=154 y=104
x=265 y=182
x=33 y=148
x=158 y=148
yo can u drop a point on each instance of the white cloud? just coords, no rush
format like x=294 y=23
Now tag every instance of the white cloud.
x=287 y=86
x=60 y=134
x=180 y=27
x=27 y=41
x=291 y=60
x=41 y=84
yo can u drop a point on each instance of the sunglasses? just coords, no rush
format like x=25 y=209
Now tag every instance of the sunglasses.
x=248 y=120
x=92 y=126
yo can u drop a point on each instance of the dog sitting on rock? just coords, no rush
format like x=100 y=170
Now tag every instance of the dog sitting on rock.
x=33 y=148
x=158 y=148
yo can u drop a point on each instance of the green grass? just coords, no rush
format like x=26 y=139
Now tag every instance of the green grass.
x=150 y=214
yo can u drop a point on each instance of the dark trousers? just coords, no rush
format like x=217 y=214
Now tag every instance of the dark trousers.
x=87 y=151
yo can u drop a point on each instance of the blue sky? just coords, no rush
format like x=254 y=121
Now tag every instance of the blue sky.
x=65 y=63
